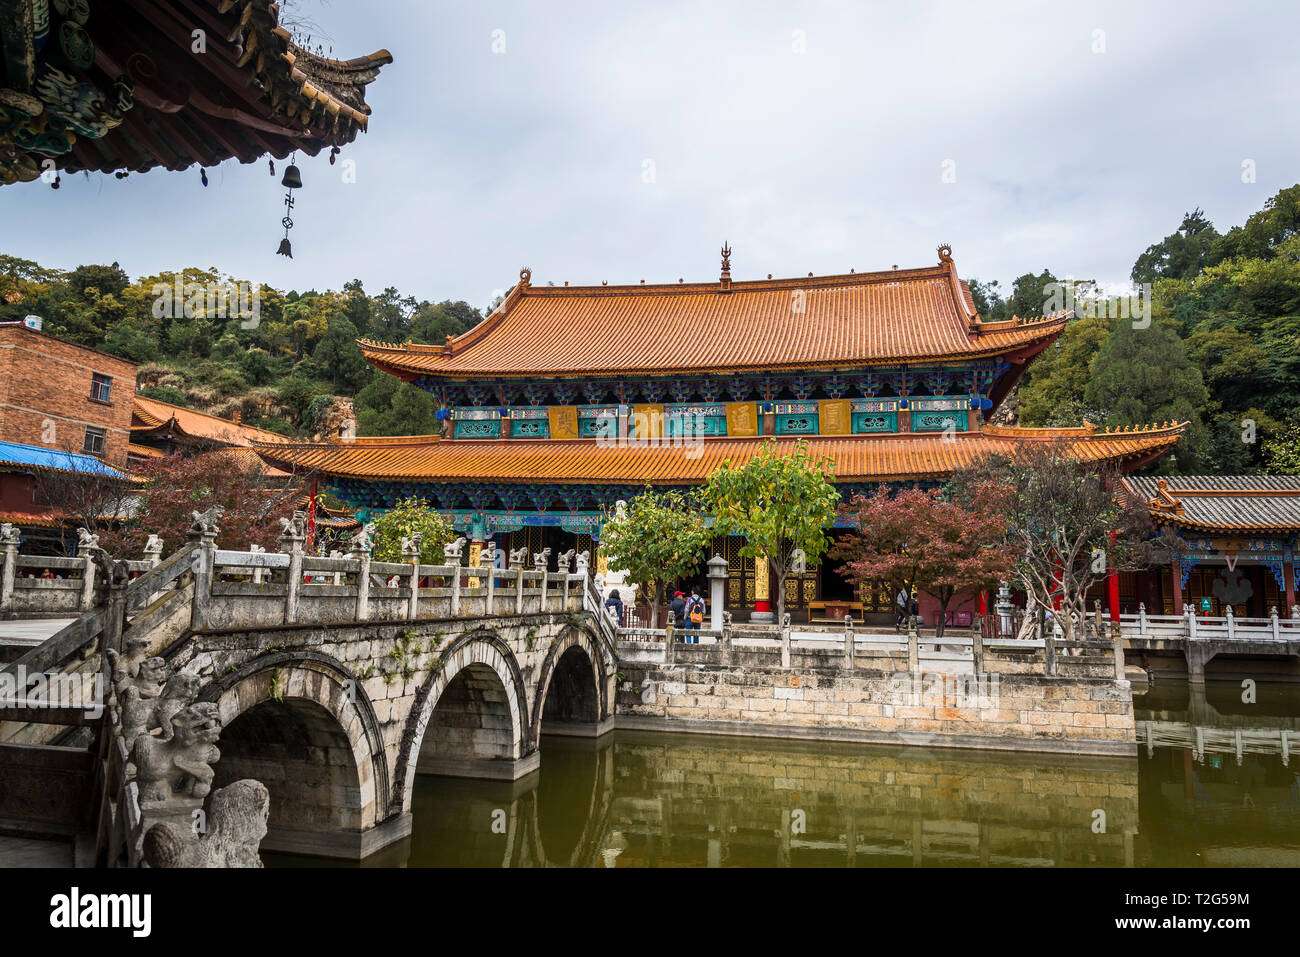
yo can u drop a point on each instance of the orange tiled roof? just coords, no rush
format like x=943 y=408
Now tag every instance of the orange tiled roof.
x=827 y=321
x=150 y=414
x=857 y=458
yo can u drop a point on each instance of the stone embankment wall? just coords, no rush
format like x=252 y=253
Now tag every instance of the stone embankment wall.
x=1021 y=712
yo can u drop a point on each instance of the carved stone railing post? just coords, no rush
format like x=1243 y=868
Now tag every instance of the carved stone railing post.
x=293 y=532
x=1276 y=625
x=361 y=546
x=490 y=560
x=913 y=646
x=85 y=551
x=1049 y=651
x=411 y=554
x=9 y=542
x=1117 y=648
x=1231 y=622
x=203 y=532
x=848 y=642
x=338 y=575
x=785 y=640
x=725 y=640
x=153 y=549
x=1142 y=619
x=451 y=556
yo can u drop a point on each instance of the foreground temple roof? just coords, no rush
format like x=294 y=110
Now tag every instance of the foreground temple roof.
x=1221 y=503
x=844 y=321
x=129 y=92
x=857 y=458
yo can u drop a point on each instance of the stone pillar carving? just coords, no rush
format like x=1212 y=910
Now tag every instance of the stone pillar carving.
x=153 y=551
x=203 y=532
x=848 y=643
x=86 y=544
x=293 y=532
x=913 y=646
x=362 y=543
x=9 y=542
x=490 y=560
x=411 y=555
x=451 y=555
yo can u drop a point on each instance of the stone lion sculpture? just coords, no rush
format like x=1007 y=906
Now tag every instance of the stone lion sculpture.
x=180 y=767
x=236 y=824
x=541 y=559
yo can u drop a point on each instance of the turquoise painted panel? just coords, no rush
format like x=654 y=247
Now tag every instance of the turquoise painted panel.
x=530 y=429
x=938 y=421
x=875 y=422
x=799 y=423
x=706 y=424
x=478 y=429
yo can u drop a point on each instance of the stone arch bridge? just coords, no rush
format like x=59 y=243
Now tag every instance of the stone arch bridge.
x=338 y=680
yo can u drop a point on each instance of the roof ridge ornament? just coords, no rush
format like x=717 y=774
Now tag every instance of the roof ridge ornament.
x=945 y=254
x=725 y=280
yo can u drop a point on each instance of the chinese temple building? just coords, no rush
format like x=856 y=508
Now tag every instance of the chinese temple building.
x=552 y=412
x=1241 y=533
x=130 y=85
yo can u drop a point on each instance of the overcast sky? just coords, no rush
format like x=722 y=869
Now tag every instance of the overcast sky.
x=620 y=142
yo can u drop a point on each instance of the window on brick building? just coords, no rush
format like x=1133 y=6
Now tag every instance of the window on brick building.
x=94 y=442
x=100 y=386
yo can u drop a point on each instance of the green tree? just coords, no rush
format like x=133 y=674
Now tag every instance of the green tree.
x=782 y=502
x=401 y=522
x=389 y=406
x=1180 y=255
x=1144 y=376
x=659 y=539
x=338 y=353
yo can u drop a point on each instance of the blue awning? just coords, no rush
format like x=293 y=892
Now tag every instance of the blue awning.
x=33 y=456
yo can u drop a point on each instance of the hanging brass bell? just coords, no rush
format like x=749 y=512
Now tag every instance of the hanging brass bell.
x=292 y=178
x=285 y=249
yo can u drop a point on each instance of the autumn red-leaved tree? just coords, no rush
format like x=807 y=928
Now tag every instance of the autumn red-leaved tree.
x=174 y=487
x=918 y=538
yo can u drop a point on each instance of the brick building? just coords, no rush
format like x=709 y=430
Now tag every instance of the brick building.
x=59 y=395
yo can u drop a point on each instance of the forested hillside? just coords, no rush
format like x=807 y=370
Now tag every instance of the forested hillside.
x=1222 y=349
x=281 y=374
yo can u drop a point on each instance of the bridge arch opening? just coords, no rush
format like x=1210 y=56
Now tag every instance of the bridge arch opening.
x=571 y=693
x=300 y=752
x=472 y=725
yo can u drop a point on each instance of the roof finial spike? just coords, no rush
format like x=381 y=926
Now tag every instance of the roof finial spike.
x=945 y=253
x=725 y=280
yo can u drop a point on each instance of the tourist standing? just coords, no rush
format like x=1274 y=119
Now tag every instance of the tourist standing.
x=615 y=603
x=695 y=609
x=678 y=609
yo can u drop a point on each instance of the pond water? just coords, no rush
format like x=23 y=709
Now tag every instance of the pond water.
x=641 y=800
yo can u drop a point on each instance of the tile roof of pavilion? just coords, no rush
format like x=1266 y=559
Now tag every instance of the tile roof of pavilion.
x=857 y=458
x=150 y=416
x=1221 y=503
x=845 y=321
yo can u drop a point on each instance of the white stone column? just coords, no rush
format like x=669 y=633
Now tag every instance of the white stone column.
x=717 y=590
x=9 y=542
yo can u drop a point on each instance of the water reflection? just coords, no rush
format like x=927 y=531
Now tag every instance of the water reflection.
x=634 y=800
x=1213 y=785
